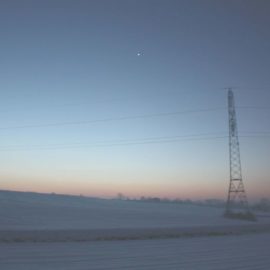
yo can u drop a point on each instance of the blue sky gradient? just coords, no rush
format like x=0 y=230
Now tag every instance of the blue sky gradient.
x=75 y=61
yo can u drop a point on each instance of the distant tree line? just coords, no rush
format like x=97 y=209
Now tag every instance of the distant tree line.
x=263 y=205
x=208 y=202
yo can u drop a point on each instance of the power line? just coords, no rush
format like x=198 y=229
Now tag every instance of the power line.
x=253 y=107
x=122 y=118
x=149 y=140
x=128 y=140
x=113 y=144
x=106 y=100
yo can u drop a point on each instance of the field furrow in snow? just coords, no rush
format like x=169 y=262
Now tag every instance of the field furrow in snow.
x=245 y=252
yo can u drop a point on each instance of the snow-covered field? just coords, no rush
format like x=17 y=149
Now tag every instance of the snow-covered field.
x=32 y=211
x=47 y=231
x=245 y=252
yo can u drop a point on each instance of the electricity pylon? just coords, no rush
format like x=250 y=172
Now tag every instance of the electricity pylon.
x=237 y=203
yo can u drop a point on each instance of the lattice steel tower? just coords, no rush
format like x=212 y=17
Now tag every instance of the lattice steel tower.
x=237 y=203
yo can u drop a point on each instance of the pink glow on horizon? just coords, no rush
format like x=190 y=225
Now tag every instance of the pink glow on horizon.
x=135 y=191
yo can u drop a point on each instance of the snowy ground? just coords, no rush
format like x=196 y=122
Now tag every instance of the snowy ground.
x=245 y=252
x=43 y=231
x=31 y=211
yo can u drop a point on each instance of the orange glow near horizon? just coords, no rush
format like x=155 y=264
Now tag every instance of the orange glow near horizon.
x=107 y=189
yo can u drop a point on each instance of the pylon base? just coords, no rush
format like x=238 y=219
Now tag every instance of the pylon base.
x=247 y=215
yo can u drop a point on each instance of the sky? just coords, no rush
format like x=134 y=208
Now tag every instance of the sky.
x=101 y=97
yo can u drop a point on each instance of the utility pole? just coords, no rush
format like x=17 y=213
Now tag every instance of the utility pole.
x=237 y=203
